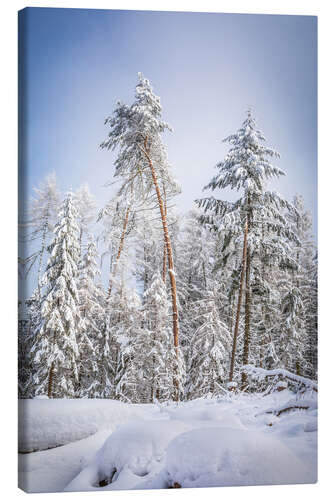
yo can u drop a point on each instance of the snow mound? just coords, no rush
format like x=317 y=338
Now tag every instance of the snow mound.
x=237 y=440
x=133 y=451
x=48 y=423
x=228 y=457
x=138 y=446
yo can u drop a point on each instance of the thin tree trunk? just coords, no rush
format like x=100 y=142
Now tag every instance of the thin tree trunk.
x=165 y=247
x=262 y=339
x=239 y=303
x=50 y=384
x=41 y=258
x=120 y=249
x=232 y=312
x=247 y=317
x=171 y=268
x=204 y=275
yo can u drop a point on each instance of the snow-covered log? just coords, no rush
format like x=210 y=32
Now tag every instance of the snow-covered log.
x=260 y=374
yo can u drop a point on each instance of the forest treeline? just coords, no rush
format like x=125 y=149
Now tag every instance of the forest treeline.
x=189 y=300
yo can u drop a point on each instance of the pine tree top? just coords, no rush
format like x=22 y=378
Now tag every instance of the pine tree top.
x=247 y=165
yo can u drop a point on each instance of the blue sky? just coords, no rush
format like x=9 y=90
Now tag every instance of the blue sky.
x=207 y=69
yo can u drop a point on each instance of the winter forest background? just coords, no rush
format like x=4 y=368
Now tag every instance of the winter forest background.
x=134 y=284
x=173 y=321
x=164 y=271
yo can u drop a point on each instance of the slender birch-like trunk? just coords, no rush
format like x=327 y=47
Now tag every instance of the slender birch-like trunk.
x=239 y=303
x=120 y=249
x=172 y=277
x=42 y=255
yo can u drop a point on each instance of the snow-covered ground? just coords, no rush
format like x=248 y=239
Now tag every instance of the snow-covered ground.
x=107 y=445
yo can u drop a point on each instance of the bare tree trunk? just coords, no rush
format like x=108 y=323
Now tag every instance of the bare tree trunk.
x=120 y=249
x=247 y=317
x=41 y=259
x=171 y=267
x=50 y=384
x=239 y=303
x=165 y=247
x=231 y=319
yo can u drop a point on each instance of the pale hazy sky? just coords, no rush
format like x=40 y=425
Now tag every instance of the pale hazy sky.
x=207 y=69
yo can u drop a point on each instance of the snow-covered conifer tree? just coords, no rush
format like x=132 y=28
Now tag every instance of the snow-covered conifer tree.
x=149 y=364
x=123 y=329
x=209 y=349
x=194 y=263
x=90 y=332
x=247 y=167
x=55 y=350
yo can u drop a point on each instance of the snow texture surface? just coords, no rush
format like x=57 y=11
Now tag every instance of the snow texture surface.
x=237 y=440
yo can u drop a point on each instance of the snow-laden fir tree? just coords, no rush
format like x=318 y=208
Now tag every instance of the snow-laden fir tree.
x=92 y=312
x=296 y=287
x=159 y=367
x=247 y=167
x=306 y=280
x=143 y=169
x=194 y=263
x=55 y=351
x=209 y=349
x=149 y=365
x=311 y=307
x=123 y=328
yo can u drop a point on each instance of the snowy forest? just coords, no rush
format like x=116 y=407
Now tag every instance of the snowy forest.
x=136 y=302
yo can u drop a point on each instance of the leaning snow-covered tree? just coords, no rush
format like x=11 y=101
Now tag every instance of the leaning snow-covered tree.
x=55 y=350
x=143 y=169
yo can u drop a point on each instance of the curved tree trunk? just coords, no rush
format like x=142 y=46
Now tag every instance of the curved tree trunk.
x=239 y=303
x=167 y=242
x=165 y=247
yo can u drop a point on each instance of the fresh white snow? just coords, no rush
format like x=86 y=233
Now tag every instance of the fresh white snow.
x=235 y=440
x=48 y=423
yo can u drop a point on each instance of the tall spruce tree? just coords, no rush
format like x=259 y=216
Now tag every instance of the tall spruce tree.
x=247 y=167
x=55 y=351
